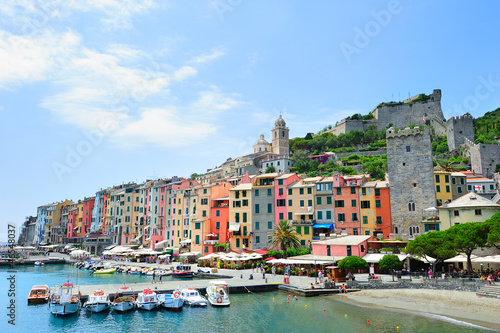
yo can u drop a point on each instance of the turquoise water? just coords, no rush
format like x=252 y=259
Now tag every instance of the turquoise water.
x=247 y=313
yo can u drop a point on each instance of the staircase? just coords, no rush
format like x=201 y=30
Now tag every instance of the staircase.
x=489 y=291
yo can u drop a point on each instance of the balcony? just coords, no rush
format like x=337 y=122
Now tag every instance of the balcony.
x=309 y=222
x=210 y=242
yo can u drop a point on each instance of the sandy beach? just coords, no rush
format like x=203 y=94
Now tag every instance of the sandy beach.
x=460 y=305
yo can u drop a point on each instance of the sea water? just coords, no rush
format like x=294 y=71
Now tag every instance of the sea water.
x=266 y=312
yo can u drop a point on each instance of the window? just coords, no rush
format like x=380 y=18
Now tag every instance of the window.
x=281 y=217
x=365 y=204
x=408 y=149
x=437 y=178
x=478 y=212
x=280 y=191
x=354 y=216
x=447 y=188
x=204 y=191
x=301 y=203
x=462 y=181
x=353 y=190
x=257 y=239
x=269 y=191
x=309 y=190
x=365 y=219
x=245 y=202
x=290 y=216
x=237 y=242
x=446 y=178
x=281 y=203
x=303 y=242
x=289 y=202
x=341 y=217
x=411 y=206
x=197 y=225
x=301 y=191
x=257 y=225
x=469 y=187
x=269 y=225
x=309 y=203
x=492 y=187
x=339 y=191
x=299 y=230
x=353 y=203
x=395 y=230
x=269 y=208
x=280 y=181
x=355 y=232
x=367 y=232
x=363 y=191
x=237 y=217
x=244 y=230
x=257 y=209
x=328 y=200
x=256 y=193
x=456 y=213
x=318 y=200
x=244 y=193
x=459 y=189
x=204 y=213
x=339 y=203
x=197 y=239
x=244 y=217
x=377 y=192
x=320 y=215
x=217 y=225
x=217 y=212
x=306 y=230
x=379 y=219
x=377 y=203
x=237 y=194
x=453 y=180
x=290 y=191
x=328 y=215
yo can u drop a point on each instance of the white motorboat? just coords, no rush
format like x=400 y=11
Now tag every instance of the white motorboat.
x=64 y=300
x=147 y=300
x=191 y=296
x=39 y=263
x=97 y=302
x=218 y=293
x=123 y=301
x=171 y=301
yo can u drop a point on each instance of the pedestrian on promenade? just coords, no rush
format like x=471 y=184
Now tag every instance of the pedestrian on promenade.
x=159 y=279
x=252 y=267
x=273 y=270
x=154 y=275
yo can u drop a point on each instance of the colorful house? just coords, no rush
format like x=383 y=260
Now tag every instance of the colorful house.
x=342 y=246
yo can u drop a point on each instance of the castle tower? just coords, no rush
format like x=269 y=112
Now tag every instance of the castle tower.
x=261 y=145
x=281 y=143
x=411 y=179
x=458 y=129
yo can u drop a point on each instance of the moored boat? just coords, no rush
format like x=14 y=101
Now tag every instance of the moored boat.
x=123 y=301
x=39 y=263
x=218 y=293
x=97 y=302
x=171 y=301
x=38 y=294
x=64 y=300
x=183 y=271
x=105 y=271
x=191 y=296
x=147 y=300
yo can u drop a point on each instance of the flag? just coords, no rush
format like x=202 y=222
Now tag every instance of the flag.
x=424 y=119
x=478 y=188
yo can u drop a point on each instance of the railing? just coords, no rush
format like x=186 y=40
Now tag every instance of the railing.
x=303 y=221
x=210 y=242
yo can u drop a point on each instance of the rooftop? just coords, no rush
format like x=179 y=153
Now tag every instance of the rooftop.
x=470 y=200
x=344 y=240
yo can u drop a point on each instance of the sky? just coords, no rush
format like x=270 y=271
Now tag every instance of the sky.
x=96 y=93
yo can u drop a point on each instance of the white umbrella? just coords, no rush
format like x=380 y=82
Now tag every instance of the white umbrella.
x=488 y=259
x=461 y=258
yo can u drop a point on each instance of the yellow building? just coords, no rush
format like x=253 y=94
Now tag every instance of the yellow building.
x=442 y=184
x=367 y=203
x=240 y=216
x=469 y=208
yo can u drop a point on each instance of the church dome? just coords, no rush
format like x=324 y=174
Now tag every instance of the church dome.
x=280 y=122
x=261 y=145
x=262 y=141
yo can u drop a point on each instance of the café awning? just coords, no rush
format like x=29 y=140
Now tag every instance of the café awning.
x=327 y=226
x=160 y=244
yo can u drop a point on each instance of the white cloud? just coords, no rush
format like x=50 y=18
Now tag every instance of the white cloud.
x=184 y=72
x=214 y=100
x=207 y=57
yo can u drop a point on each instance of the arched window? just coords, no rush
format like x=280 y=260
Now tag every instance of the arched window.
x=411 y=206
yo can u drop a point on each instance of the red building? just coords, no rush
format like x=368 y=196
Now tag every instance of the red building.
x=219 y=223
x=88 y=207
x=280 y=193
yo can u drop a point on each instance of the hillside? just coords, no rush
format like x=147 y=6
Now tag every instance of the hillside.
x=487 y=127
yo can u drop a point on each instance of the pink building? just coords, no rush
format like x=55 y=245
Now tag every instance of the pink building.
x=88 y=207
x=280 y=194
x=323 y=158
x=343 y=246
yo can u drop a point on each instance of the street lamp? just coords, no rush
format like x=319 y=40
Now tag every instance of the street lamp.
x=315 y=272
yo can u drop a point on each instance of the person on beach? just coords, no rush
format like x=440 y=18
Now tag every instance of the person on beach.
x=154 y=276
x=159 y=278
x=312 y=286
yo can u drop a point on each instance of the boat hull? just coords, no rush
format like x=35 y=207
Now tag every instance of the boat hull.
x=223 y=302
x=97 y=307
x=171 y=303
x=64 y=309
x=38 y=300
x=123 y=306
x=182 y=275
x=149 y=306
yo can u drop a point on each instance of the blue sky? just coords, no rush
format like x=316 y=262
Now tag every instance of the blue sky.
x=97 y=93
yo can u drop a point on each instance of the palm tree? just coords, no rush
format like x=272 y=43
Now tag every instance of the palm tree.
x=285 y=237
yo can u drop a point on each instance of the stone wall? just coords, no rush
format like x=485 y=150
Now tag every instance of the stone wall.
x=457 y=129
x=440 y=284
x=410 y=169
x=483 y=157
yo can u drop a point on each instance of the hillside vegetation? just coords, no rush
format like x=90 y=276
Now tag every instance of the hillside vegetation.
x=487 y=127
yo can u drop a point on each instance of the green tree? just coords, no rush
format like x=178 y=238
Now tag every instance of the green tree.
x=467 y=237
x=285 y=237
x=353 y=262
x=270 y=169
x=390 y=262
x=436 y=244
x=493 y=228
